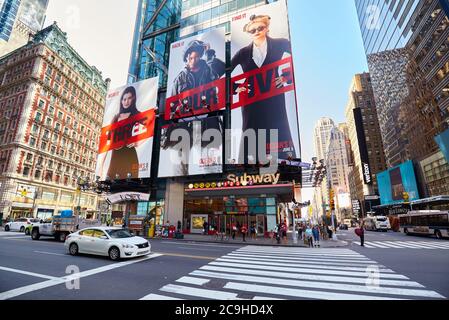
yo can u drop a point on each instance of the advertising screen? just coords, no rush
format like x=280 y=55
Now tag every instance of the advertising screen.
x=126 y=140
x=32 y=13
x=398 y=183
x=443 y=142
x=196 y=76
x=192 y=148
x=262 y=85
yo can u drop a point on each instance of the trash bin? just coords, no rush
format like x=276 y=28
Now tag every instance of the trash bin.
x=179 y=235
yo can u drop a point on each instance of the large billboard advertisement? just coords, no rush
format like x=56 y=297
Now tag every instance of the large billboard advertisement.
x=192 y=148
x=398 y=184
x=32 y=13
x=196 y=77
x=262 y=85
x=443 y=142
x=126 y=140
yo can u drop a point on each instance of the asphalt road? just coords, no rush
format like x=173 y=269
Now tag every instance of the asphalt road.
x=35 y=270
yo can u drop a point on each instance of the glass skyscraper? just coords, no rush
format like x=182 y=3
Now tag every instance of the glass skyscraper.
x=386 y=24
x=157 y=26
x=162 y=22
x=19 y=19
x=8 y=13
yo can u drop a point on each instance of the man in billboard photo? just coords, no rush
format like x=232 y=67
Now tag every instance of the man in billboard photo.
x=124 y=160
x=196 y=71
x=216 y=65
x=269 y=113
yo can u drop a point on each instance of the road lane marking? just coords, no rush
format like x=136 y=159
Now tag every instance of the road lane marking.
x=32 y=274
x=265 y=258
x=194 y=281
x=180 y=255
x=267 y=262
x=325 y=285
x=300 y=276
x=51 y=253
x=157 y=297
x=308 y=294
x=202 y=245
x=304 y=259
x=50 y=283
x=258 y=269
x=200 y=293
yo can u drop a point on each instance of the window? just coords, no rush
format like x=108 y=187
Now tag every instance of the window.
x=99 y=234
x=87 y=233
x=26 y=171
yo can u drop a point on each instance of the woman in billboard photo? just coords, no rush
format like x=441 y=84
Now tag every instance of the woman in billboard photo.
x=124 y=160
x=269 y=113
x=196 y=72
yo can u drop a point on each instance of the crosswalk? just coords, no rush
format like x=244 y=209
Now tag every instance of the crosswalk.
x=407 y=245
x=269 y=273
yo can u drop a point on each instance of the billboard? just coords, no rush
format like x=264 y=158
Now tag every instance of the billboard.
x=361 y=137
x=443 y=142
x=262 y=85
x=202 y=153
x=126 y=140
x=398 y=184
x=32 y=13
x=196 y=76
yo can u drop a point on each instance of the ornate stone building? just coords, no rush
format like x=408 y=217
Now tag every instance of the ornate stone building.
x=51 y=112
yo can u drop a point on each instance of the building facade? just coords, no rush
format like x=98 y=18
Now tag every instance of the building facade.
x=337 y=165
x=221 y=199
x=51 y=107
x=19 y=19
x=321 y=136
x=409 y=77
x=368 y=157
x=157 y=27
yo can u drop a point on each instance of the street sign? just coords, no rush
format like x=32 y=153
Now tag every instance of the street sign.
x=373 y=197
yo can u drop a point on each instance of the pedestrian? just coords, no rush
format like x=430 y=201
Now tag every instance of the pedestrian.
x=316 y=236
x=284 y=232
x=244 y=230
x=234 y=231
x=309 y=236
x=253 y=232
x=300 y=231
x=205 y=228
x=362 y=233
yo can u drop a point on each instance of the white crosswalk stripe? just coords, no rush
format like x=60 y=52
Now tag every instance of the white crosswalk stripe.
x=406 y=245
x=265 y=273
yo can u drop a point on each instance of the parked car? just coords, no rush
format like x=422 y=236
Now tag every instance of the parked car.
x=20 y=224
x=59 y=227
x=29 y=227
x=117 y=243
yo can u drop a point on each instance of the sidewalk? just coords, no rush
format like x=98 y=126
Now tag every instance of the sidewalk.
x=251 y=242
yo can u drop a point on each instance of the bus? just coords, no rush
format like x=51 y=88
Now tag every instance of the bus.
x=427 y=217
x=377 y=223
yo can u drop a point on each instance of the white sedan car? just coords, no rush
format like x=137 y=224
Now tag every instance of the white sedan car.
x=117 y=243
x=20 y=224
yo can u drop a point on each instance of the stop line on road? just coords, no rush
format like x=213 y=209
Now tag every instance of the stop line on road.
x=254 y=273
x=407 y=245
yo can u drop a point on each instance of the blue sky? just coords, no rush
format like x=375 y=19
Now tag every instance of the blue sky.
x=328 y=52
